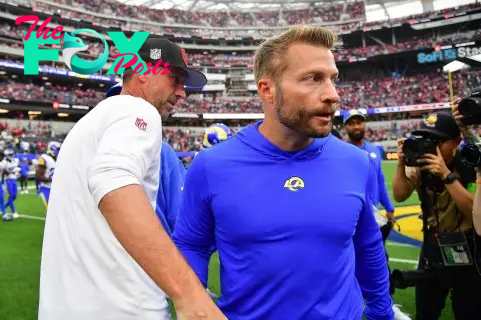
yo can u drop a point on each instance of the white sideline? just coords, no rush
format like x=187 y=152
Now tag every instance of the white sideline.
x=31 y=217
x=403 y=261
x=398 y=244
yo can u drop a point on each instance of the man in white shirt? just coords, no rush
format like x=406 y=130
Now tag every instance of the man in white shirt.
x=105 y=253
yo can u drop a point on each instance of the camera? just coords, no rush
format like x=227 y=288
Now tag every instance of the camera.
x=433 y=264
x=415 y=147
x=470 y=108
x=406 y=279
x=471 y=155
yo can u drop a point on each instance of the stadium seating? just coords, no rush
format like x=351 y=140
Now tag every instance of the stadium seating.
x=373 y=93
x=15 y=34
x=348 y=17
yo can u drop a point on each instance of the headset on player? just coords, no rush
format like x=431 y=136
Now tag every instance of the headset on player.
x=216 y=133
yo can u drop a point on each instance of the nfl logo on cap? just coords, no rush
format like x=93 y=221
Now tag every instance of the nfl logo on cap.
x=155 y=54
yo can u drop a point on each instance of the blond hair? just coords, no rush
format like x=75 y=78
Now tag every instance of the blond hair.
x=269 y=59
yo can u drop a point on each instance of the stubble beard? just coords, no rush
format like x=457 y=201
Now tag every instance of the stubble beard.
x=296 y=120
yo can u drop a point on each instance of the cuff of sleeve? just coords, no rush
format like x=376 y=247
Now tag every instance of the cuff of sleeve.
x=370 y=315
x=390 y=208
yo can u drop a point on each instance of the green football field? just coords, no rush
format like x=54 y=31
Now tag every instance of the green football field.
x=20 y=249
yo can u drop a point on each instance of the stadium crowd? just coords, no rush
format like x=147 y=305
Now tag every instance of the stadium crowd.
x=332 y=13
x=31 y=138
x=373 y=93
x=47 y=92
x=347 y=13
x=15 y=34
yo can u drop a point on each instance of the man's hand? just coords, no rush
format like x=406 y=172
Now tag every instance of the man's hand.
x=198 y=311
x=457 y=116
x=390 y=215
x=146 y=241
x=400 y=144
x=435 y=164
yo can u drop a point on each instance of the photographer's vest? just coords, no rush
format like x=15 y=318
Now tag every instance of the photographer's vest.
x=444 y=209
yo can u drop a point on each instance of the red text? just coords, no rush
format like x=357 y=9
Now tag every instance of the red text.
x=42 y=31
x=139 y=68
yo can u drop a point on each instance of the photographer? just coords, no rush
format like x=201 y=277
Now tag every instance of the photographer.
x=442 y=182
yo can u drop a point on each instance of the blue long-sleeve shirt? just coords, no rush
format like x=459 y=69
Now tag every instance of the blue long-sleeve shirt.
x=172 y=174
x=379 y=189
x=295 y=231
x=23 y=169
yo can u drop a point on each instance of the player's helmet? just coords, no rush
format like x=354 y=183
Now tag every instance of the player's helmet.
x=53 y=148
x=216 y=133
x=8 y=153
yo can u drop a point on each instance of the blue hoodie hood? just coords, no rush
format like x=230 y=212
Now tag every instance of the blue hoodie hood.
x=251 y=136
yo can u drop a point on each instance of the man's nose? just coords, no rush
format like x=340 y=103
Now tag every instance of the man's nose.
x=330 y=93
x=180 y=92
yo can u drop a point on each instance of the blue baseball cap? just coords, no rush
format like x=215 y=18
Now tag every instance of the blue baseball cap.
x=353 y=113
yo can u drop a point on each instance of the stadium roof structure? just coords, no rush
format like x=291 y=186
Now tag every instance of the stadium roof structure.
x=375 y=9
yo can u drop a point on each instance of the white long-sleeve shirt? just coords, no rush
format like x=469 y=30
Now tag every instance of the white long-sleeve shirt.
x=85 y=271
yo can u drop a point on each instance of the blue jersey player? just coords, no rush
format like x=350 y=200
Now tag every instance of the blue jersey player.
x=45 y=170
x=11 y=171
x=355 y=125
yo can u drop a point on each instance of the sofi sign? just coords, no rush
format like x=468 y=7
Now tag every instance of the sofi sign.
x=448 y=54
x=73 y=44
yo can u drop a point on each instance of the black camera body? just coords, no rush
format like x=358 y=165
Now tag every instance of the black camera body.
x=415 y=147
x=470 y=108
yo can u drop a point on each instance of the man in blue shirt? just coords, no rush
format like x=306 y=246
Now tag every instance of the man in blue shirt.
x=283 y=202
x=172 y=173
x=355 y=126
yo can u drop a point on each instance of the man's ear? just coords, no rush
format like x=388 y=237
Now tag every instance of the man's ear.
x=266 y=89
x=141 y=77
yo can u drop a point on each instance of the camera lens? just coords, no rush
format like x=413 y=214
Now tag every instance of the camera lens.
x=470 y=107
x=411 y=148
x=471 y=155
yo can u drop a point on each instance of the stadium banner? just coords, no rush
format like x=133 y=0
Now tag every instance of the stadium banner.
x=60 y=72
x=43 y=105
x=185 y=115
x=449 y=53
x=225 y=116
x=391 y=156
x=412 y=107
